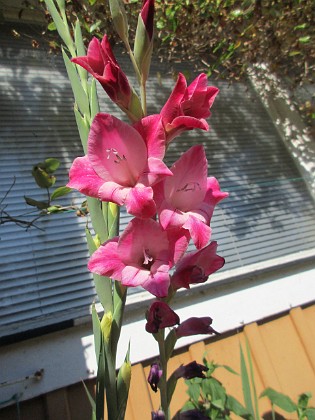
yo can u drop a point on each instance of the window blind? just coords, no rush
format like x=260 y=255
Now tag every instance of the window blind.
x=44 y=279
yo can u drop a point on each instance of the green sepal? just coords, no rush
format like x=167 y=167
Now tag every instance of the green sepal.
x=143 y=47
x=97 y=218
x=79 y=40
x=97 y=332
x=171 y=385
x=80 y=96
x=60 y=192
x=113 y=219
x=83 y=127
x=120 y=20
x=170 y=342
x=94 y=104
x=80 y=50
x=123 y=385
x=135 y=112
x=103 y=285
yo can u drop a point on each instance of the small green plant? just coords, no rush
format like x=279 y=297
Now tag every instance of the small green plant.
x=208 y=397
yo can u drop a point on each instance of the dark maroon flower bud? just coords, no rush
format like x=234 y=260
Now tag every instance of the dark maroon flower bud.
x=147 y=15
x=196 y=267
x=192 y=414
x=159 y=316
x=192 y=370
x=158 y=415
x=194 y=326
x=154 y=376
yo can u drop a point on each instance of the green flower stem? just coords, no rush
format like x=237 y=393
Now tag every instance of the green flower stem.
x=134 y=63
x=143 y=95
x=163 y=380
x=120 y=294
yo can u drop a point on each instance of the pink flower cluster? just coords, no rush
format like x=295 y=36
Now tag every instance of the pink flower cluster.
x=124 y=164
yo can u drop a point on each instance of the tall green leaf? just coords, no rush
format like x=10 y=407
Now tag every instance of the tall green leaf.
x=80 y=95
x=246 y=385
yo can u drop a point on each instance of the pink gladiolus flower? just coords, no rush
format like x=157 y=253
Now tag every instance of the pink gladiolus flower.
x=187 y=199
x=117 y=167
x=142 y=256
x=195 y=267
x=193 y=326
x=102 y=64
x=159 y=316
x=187 y=107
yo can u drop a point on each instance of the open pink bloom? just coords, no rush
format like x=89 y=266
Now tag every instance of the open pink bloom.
x=195 y=267
x=187 y=199
x=102 y=64
x=194 y=325
x=187 y=107
x=117 y=167
x=142 y=256
x=159 y=316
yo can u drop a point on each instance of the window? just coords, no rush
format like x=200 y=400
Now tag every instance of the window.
x=44 y=279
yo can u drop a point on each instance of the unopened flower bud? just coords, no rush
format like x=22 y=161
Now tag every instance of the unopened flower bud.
x=154 y=376
x=191 y=370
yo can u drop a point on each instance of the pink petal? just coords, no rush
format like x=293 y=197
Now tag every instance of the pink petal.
x=95 y=57
x=170 y=217
x=152 y=131
x=186 y=189
x=214 y=195
x=178 y=243
x=134 y=276
x=111 y=191
x=171 y=108
x=156 y=171
x=195 y=267
x=116 y=150
x=83 y=177
x=106 y=260
x=199 y=231
x=140 y=203
x=158 y=284
x=137 y=238
x=186 y=122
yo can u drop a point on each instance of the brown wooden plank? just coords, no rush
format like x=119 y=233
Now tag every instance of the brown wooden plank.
x=139 y=394
x=292 y=365
x=261 y=356
x=57 y=405
x=305 y=333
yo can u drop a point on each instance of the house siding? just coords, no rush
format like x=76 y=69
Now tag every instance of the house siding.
x=283 y=354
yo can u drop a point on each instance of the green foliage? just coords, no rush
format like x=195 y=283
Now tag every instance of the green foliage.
x=220 y=37
x=209 y=396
